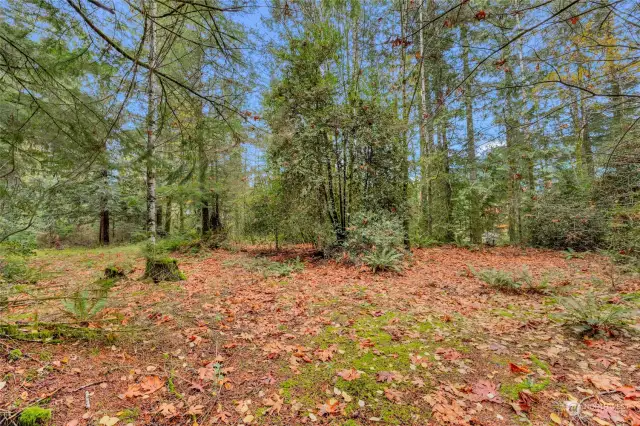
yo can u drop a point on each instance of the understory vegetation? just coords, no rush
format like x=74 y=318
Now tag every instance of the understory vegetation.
x=319 y=212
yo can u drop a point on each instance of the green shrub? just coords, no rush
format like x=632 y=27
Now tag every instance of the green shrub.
x=563 y=220
x=34 y=416
x=624 y=239
x=14 y=269
x=424 y=241
x=373 y=231
x=385 y=259
x=592 y=315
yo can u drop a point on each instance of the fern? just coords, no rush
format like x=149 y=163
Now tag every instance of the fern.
x=386 y=259
x=593 y=315
x=82 y=307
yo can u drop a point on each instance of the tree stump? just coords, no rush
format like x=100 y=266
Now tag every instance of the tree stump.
x=114 y=272
x=163 y=269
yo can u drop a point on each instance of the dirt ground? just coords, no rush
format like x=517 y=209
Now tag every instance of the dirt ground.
x=246 y=341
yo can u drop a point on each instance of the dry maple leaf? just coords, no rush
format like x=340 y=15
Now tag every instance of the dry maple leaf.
x=525 y=400
x=350 y=374
x=206 y=374
x=168 y=410
x=608 y=413
x=629 y=392
x=603 y=381
x=325 y=355
x=332 y=406
x=393 y=395
x=243 y=406
x=518 y=368
x=449 y=354
x=387 y=376
x=221 y=415
x=150 y=384
x=274 y=403
x=132 y=391
x=268 y=379
x=366 y=343
x=446 y=412
x=633 y=418
x=108 y=421
x=195 y=410
x=418 y=382
x=485 y=390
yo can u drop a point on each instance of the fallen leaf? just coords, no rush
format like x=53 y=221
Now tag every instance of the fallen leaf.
x=330 y=407
x=387 y=376
x=195 y=410
x=609 y=413
x=108 y=421
x=603 y=382
x=393 y=395
x=518 y=369
x=633 y=418
x=485 y=390
x=221 y=415
x=556 y=419
x=274 y=403
x=349 y=375
x=168 y=410
x=151 y=384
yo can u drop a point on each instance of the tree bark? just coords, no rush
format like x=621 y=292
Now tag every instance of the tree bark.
x=475 y=224
x=152 y=99
x=167 y=220
x=103 y=236
x=104 y=227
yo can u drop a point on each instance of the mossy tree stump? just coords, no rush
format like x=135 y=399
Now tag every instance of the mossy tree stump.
x=114 y=272
x=163 y=269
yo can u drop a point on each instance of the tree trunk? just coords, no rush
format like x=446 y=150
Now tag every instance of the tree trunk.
x=152 y=99
x=159 y=219
x=104 y=227
x=426 y=136
x=203 y=172
x=167 y=220
x=405 y=124
x=513 y=179
x=215 y=222
x=475 y=224
x=103 y=236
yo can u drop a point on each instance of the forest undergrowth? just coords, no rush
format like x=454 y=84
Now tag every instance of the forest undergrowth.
x=253 y=336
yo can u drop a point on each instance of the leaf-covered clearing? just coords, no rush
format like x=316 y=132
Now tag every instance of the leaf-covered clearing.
x=244 y=340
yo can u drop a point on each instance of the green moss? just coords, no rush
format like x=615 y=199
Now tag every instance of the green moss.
x=15 y=355
x=388 y=354
x=541 y=364
x=129 y=415
x=512 y=390
x=114 y=272
x=45 y=356
x=163 y=269
x=34 y=416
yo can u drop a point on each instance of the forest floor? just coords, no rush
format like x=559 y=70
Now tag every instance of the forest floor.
x=245 y=341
